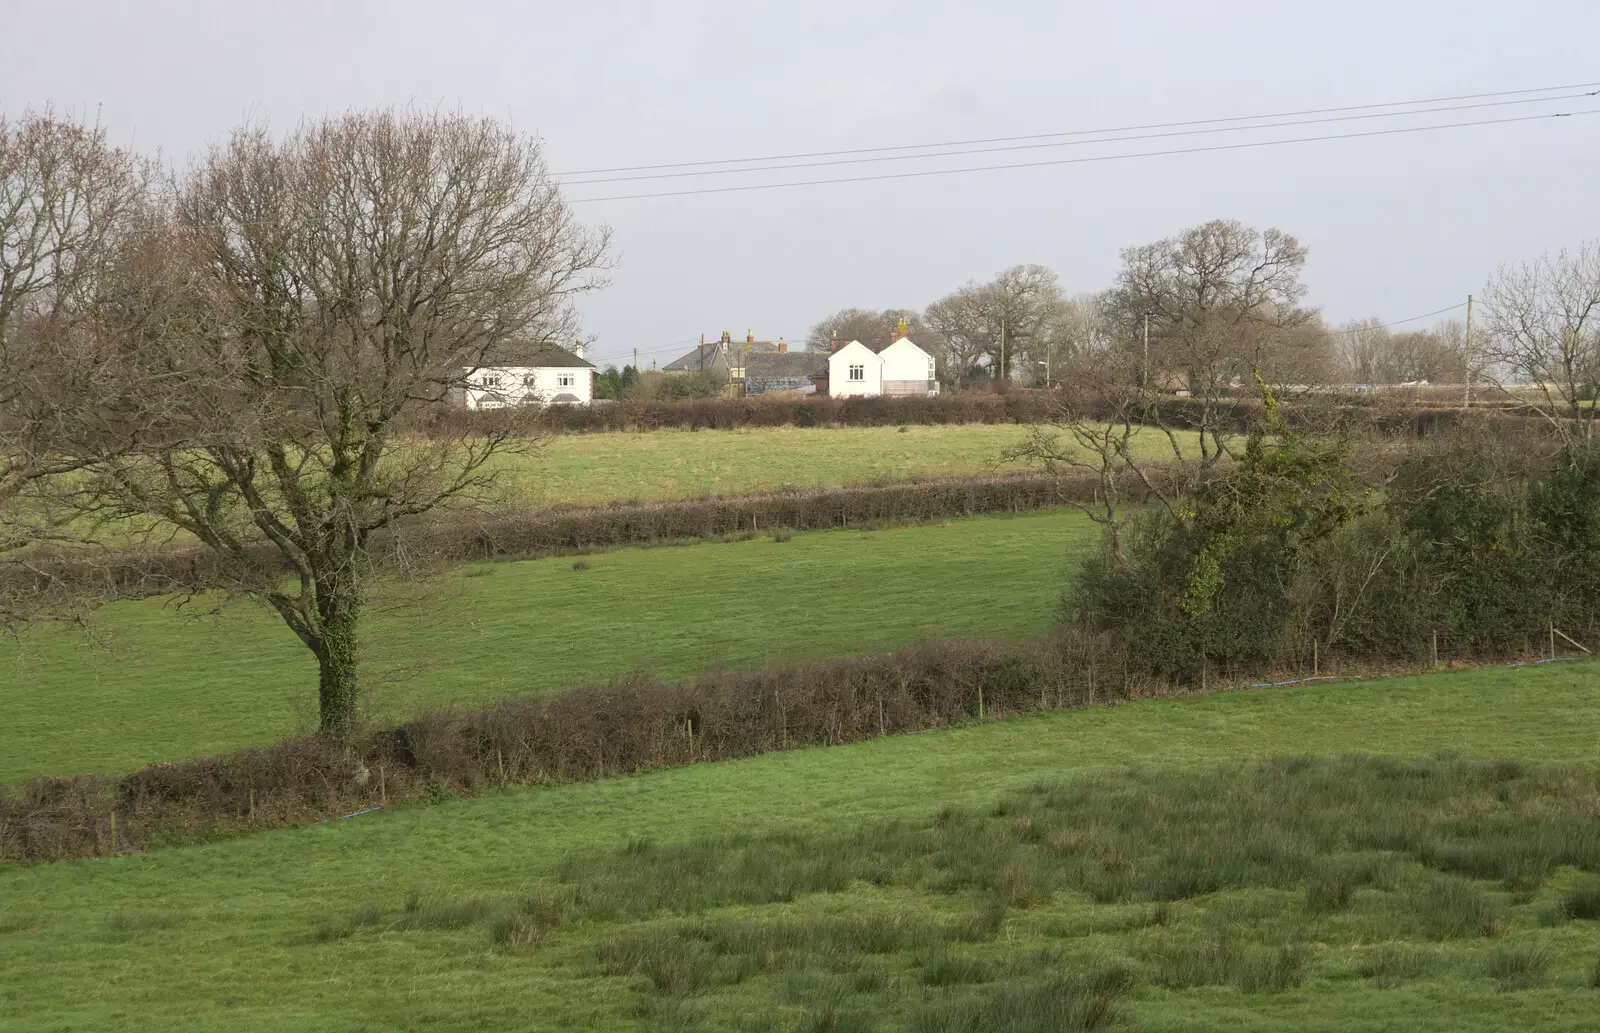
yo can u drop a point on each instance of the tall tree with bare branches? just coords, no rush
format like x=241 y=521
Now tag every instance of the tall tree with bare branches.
x=339 y=281
x=1222 y=301
x=1543 y=329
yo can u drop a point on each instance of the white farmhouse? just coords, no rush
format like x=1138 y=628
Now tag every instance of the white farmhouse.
x=537 y=376
x=899 y=368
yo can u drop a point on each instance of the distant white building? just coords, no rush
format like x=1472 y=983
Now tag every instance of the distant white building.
x=899 y=368
x=538 y=376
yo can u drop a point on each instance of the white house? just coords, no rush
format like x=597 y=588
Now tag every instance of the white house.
x=900 y=368
x=539 y=376
x=855 y=370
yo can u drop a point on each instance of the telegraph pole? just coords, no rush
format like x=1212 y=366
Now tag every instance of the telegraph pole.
x=1001 y=375
x=1144 y=376
x=636 y=360
x=1466 y=351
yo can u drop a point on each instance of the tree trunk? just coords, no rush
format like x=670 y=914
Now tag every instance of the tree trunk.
x=338 y=606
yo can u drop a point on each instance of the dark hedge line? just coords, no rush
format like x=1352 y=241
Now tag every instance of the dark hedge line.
x=1387 y=414
x=558 y=531
x=592 y=732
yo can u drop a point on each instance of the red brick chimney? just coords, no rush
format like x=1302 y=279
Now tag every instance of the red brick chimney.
x=783 y=349
x=749 y=337
x=833 y=345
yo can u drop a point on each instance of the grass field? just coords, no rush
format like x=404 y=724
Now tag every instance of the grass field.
x=674 y=464
x=159 y=686
x=1056 y=871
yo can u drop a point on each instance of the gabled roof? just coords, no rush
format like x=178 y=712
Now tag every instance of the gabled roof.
x=785 y=364
x=534 y=357
x=690 y=362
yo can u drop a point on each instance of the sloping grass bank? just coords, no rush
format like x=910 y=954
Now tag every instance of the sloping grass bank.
x=252 y=931
x=152 y=685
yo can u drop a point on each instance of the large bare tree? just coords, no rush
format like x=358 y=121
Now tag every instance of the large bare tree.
x=870 y=326
x=72 y=207
x=1543 y=330
x=68 y=202
x=340 y=280
x=1218 y=303
x=1012 y=321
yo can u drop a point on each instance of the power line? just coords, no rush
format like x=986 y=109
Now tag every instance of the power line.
x=1397 y=322
x=1086 y=159
x=1078 y=132
x=1082 y=143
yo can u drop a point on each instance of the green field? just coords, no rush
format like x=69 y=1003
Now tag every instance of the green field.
x=150 y=684
x=1007 y=875
x=674 y=464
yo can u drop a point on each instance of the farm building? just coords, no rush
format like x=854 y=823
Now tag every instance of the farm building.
x=544 y=375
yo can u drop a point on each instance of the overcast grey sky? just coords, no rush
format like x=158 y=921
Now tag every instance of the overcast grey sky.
x=1396 y=225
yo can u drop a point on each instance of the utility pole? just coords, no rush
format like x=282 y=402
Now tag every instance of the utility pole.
x=1001 y=373
x=1466 y=351
x=1144 y=374
x=636 y=360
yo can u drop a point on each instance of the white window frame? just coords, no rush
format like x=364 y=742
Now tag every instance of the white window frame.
x=566 y=380
x=491 y=380
x=857 y=374
x=530 y=381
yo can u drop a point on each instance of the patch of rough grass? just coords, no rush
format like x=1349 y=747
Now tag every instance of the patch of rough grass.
x=1448 y=909
x=1222 y=961
x=1518 y=966
x=947 y=969
x=344 y=926
x=130 y=925
x=1060 y=1004
x=422 y=913
x=1581 y=903
x=1329 y=893
x=19 y=922
x=1395 y=963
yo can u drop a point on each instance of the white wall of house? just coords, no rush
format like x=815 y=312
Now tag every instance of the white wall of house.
x=501 y=386
x=855 y=370
x=907 y=369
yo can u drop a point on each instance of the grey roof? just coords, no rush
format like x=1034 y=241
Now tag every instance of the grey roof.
x=690 y=362
x=565 y=398
x=786 y=364
x=547 y=357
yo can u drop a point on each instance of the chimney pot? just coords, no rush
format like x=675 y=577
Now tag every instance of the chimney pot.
x=749 y=336
x=782 y=347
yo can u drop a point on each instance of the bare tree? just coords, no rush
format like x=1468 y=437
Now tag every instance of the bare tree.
x=1096 y=416
x=1222 y=301
x=67 y=202
x=869 y=326
x=1011 y=321
x=1543 y=335
x=337 y=282
x=70 y=210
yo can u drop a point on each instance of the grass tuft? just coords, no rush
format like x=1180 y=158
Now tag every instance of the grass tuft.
x=1519 y=966
x=1580 y=903
x=130 y=925
x=1396 y=963
x=19 y=922
x=438 y=915
x=1451 y=909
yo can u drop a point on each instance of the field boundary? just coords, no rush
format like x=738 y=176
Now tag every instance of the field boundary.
x=625 y=727
x=132 y=574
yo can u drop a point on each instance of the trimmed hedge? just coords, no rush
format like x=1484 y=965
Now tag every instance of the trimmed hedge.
x=584 y=733
x=1386 y=414
x=558 y=531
